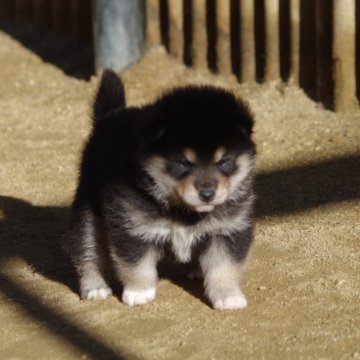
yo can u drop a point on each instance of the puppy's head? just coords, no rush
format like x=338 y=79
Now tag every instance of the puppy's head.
x=198 y=148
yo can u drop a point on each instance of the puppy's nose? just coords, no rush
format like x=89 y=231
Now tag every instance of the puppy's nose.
x=206 y=195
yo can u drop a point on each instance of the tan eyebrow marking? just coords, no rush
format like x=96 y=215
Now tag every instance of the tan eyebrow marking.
x=219 y=153
x=190 y=155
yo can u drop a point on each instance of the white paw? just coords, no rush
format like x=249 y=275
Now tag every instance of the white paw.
x=138 y=297
x=232 y=302
x=99 y=293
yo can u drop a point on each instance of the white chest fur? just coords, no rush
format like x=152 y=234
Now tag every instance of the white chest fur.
x=160 y=231
x=182 y=240
x=182 y=237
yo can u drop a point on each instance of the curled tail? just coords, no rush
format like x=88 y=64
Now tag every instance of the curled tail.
x=110 y=95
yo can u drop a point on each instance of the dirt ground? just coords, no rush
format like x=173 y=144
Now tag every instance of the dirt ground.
x=303 y=281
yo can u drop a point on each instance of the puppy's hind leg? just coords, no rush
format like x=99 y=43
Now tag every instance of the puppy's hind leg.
x=86 y=254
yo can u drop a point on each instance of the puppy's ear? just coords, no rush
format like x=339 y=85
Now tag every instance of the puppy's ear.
x=110 y=95
x=245 y=120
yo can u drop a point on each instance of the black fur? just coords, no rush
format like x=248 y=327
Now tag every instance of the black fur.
x=123 y=138
x=110 y=96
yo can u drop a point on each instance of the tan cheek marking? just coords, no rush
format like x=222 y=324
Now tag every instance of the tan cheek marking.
x=190 y=155
x=219 y=153
x=223 y=183
x=186 y=186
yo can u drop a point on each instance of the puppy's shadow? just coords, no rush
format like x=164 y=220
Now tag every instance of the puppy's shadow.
x=175 y=273
x=35 y=234
x=178 y=275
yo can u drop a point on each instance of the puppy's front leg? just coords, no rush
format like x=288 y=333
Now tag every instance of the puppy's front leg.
x=138 y=277
x=222 y=276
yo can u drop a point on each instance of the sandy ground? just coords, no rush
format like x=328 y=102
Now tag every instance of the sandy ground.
x=303 y=282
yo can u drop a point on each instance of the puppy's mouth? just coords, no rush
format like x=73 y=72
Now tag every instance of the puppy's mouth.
x=200 y=206
x=204 y=208
x=194 y=203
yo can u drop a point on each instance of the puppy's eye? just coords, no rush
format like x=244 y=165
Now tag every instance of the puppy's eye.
x=223 y=162
x=225 y=165
x=179 y=168
x=184 y=164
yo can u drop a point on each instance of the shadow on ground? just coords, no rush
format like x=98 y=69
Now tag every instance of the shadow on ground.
x=60 y=325
x=35 y=234
x=73 y=58
x=306 y=187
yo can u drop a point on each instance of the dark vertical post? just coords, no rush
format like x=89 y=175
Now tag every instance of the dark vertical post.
x=164 y=23
x=285 y=39
x=80 y=19
x=323 y=59
x=6 y=10
x=260 y=44
x=42 y=14
x=307 y=74
x=188 y=35
x=118 y=33
x=23 y=11
x=61 y=15
x=357 y=48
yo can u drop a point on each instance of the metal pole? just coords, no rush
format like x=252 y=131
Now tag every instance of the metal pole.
x=118 y=33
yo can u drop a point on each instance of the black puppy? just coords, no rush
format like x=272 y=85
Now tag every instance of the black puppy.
x=175 y=174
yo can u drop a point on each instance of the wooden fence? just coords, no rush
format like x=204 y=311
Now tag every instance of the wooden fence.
x=312 y=43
